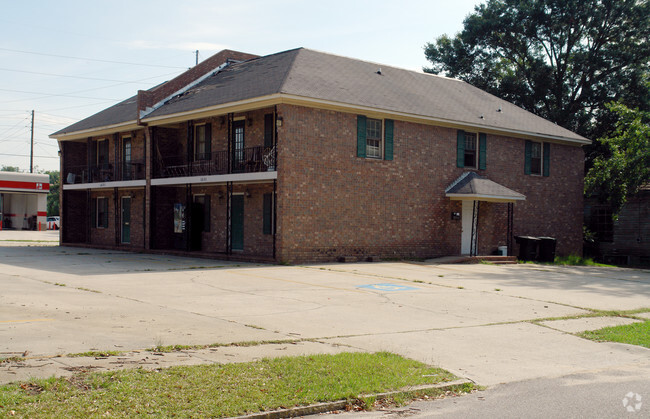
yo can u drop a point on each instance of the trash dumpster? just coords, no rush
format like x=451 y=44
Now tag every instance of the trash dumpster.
x=546 y=249
x=527 y=247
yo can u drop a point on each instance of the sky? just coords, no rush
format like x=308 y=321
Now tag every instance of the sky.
x=67 y=60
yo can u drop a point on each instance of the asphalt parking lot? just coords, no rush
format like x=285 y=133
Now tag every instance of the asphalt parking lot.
x=474 y=320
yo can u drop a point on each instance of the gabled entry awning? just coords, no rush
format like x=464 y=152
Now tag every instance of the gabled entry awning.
x=472 y=186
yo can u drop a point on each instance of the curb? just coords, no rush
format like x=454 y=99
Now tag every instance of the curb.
x=325 y=407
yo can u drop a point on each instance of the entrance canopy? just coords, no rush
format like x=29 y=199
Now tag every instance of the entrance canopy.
x=472 y=186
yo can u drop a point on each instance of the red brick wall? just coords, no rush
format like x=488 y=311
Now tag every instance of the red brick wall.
x=332 y=204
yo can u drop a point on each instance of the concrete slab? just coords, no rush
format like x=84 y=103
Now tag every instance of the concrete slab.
x=577 y=286
x=63 y=366
x=496 y=354
x=587 y=323
x=472 y=319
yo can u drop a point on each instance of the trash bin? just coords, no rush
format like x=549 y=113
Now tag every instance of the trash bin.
x=546 y=249
x=527 y=247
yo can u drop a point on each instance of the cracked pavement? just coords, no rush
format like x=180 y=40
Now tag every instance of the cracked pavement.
x=477 y=321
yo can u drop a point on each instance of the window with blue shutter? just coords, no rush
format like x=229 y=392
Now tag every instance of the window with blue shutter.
x=547 y=159
x=482 y=152
x=388 y=139
x=361 y=136
x=460 y=148
x=528 y=151
x=373 y=140
x=537 y=158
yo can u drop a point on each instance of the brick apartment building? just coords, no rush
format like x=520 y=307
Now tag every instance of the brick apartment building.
x=306 y=156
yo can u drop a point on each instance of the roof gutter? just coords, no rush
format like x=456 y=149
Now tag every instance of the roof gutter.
x=283 y=98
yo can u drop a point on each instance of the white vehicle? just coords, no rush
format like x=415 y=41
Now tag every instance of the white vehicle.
x=53 y=223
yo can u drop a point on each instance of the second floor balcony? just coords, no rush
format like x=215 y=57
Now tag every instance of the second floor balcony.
x=108 y=172
x=245 y=160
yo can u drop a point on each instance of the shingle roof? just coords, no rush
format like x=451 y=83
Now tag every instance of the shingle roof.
x=124 y=111
x=310 y=74
x=472 y=185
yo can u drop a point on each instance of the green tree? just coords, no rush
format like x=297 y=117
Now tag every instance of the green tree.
x=6 y=168
x=625 y=166
x=53 y=195
x=560 y=59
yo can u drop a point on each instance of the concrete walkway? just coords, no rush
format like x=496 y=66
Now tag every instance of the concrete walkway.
x=474 y=320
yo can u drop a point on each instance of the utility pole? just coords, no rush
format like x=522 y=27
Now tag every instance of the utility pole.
x=197 y=57
x=31 y=151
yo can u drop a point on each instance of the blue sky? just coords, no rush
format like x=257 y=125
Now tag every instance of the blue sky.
x=69 y=59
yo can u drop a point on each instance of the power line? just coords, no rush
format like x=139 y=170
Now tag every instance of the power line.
x=64 y=75
x=58 y=95
x=90 y=59
x=27 y=155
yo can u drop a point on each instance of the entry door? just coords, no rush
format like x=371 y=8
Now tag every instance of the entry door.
x=126 y=219
x=466 y=236
x=237 y=222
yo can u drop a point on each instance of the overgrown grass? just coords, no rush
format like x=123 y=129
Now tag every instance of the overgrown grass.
x=634 y=334
x=571 y=260
x=218 y=390
x=574 y=260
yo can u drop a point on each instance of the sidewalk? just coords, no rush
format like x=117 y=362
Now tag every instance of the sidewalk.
x=29 y=368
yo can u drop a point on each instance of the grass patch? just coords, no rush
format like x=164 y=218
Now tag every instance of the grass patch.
x=574 y=260
x=598 y=313
x=96 y=354
x=176 y=348
x=571 y=260
x=634 y=334
x=218 y=390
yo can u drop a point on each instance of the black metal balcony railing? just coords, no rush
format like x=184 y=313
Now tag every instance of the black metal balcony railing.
x=132 y=170
x=247 y=160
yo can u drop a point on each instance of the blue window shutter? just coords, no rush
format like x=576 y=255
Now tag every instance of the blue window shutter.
x=482 y=145
x=361 y=136
x=388 y=134
x=547 y=159
x=460 y=148
x=528 y=157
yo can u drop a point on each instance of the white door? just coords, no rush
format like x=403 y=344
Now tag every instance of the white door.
x=466 y=235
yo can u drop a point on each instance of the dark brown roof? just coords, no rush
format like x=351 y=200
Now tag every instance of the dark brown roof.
x=309 y=74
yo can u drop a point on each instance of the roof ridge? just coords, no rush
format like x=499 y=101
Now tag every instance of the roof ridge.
x=422 y=73
x=290 y=69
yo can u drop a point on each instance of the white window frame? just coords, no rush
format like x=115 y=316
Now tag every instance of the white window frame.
x=196 y=148
x=476 y=150
x=541 y=158
x=375 y=152
x=103 y=198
